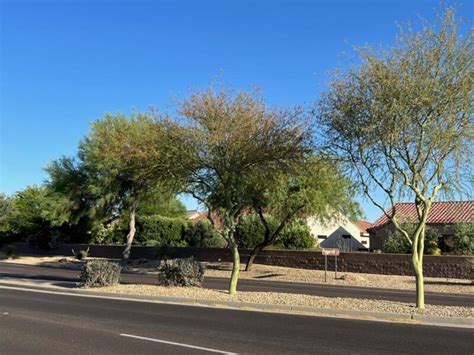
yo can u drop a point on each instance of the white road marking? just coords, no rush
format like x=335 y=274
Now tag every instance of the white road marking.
x=177 y=344
x=65 y=293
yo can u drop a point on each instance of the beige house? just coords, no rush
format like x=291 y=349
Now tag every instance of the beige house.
x=341 y=233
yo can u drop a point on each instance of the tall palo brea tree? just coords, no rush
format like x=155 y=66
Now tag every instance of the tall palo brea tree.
x=233 y=136
x=403 y=121
x=128 y=158
x=85 y=200
x=91 y=206
x=315 y=187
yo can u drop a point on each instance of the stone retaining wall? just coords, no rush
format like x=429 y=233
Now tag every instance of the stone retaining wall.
x=371 y=263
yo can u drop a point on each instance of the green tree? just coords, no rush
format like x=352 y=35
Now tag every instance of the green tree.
x=6 y=209
x=402 y=120
x=124 y=161
x=7 y=216
x=316 y=187
x=161 y=203
x=91 y=208
x=95 y=210
x=37 y=217
x=234 y=135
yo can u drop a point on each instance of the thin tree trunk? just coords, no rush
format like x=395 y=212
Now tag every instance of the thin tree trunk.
x=417 y=260
x=420 y=287
x=269 y=236
x=131 y=234
x=253 y=254
x=234 y=278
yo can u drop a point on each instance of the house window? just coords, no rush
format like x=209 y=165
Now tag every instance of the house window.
x=322 y=236
x=364 y=242
x=346 y=236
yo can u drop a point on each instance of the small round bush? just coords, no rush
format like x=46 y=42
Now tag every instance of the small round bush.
x=11 y=252
x=203 y=235
x=100 y=273
x=180 y=272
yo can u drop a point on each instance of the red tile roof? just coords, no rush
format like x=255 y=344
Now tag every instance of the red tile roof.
x=448 y=212
x=363 y=225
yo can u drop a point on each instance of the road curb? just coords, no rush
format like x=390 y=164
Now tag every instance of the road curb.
x=247 y=306
x=442 y=321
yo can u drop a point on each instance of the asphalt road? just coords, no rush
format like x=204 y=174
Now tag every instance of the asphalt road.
x=42 y=323
x=8 y=270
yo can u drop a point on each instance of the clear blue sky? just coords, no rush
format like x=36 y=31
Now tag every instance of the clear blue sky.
x=65 y=63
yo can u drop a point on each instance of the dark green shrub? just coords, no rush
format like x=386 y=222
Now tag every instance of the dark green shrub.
x=7 y=238
x=203 y=235
x=251 y=231
x=40 y=238
x=10 y=252
x=99 y=273
x=162 y=231
x=296 y=235
x=463 y=239
x=397 y=243
x=180 y=272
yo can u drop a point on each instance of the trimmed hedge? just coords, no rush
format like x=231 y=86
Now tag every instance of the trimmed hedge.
x=162 y=231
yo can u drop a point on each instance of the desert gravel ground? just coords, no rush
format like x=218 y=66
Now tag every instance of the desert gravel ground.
x=289 y=299
x=277 y=273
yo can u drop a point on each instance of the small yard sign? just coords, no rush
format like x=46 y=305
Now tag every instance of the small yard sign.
x=326 y=252
x=330 y=251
